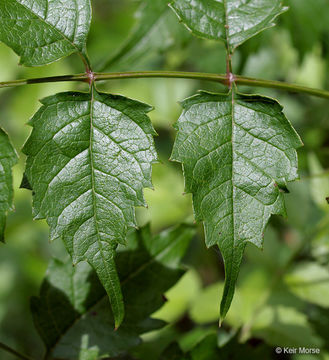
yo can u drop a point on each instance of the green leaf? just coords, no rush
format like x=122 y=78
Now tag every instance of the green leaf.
x=8 y=158
x=41 y=32
x=232 y=21
x=238 y=152
x=156 y=30
x=73 y=307
x=89 y=158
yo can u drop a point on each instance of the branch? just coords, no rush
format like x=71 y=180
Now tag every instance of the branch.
x=219 y=78
x=281 y=85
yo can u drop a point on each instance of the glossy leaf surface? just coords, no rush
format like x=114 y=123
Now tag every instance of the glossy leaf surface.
x=232 y=21
x=72 y=314
x=89 y=158
x=8 y=158
x=43 y=31
x=238 y=153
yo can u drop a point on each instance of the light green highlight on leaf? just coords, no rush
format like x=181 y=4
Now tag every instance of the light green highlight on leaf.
x=286 y=326
x=310 y=282
x=319 y=182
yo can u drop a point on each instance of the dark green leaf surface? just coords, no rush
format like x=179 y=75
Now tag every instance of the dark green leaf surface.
x=156 y=30
x=209 y=349
x=232 y=21
x=307 y=23
x=73 y=307
x=43 y=31
x=8 y=158
x=238 y=153
x=89 y=158
x=319 y=320
x=174 y=352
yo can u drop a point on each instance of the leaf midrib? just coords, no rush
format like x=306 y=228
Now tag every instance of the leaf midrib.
x=229 y=278
x=94 y=193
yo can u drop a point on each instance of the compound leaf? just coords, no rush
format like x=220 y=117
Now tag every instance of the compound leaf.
x=72 y=314
x=89 y=158
x=232 y=21
x=43 y=31
x=8 y=159
x=238 y=153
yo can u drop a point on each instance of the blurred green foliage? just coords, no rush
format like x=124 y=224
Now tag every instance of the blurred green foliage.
x=282 y=297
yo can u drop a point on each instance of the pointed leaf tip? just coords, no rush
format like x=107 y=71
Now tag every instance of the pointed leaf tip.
x=89 y=157
x=232 y=188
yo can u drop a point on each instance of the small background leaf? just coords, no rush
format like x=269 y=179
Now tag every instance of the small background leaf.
x=73 y=307
x=8 y=159
x=156 y=30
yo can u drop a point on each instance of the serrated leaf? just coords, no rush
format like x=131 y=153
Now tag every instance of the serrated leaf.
x=238 y=153
x=232 y=21
x=89 y=158
x=8 y=159
x=156 y=30
x=73 y=307
x=43 y=31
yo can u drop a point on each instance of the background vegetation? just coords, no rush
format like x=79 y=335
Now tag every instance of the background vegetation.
x=282 y=296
